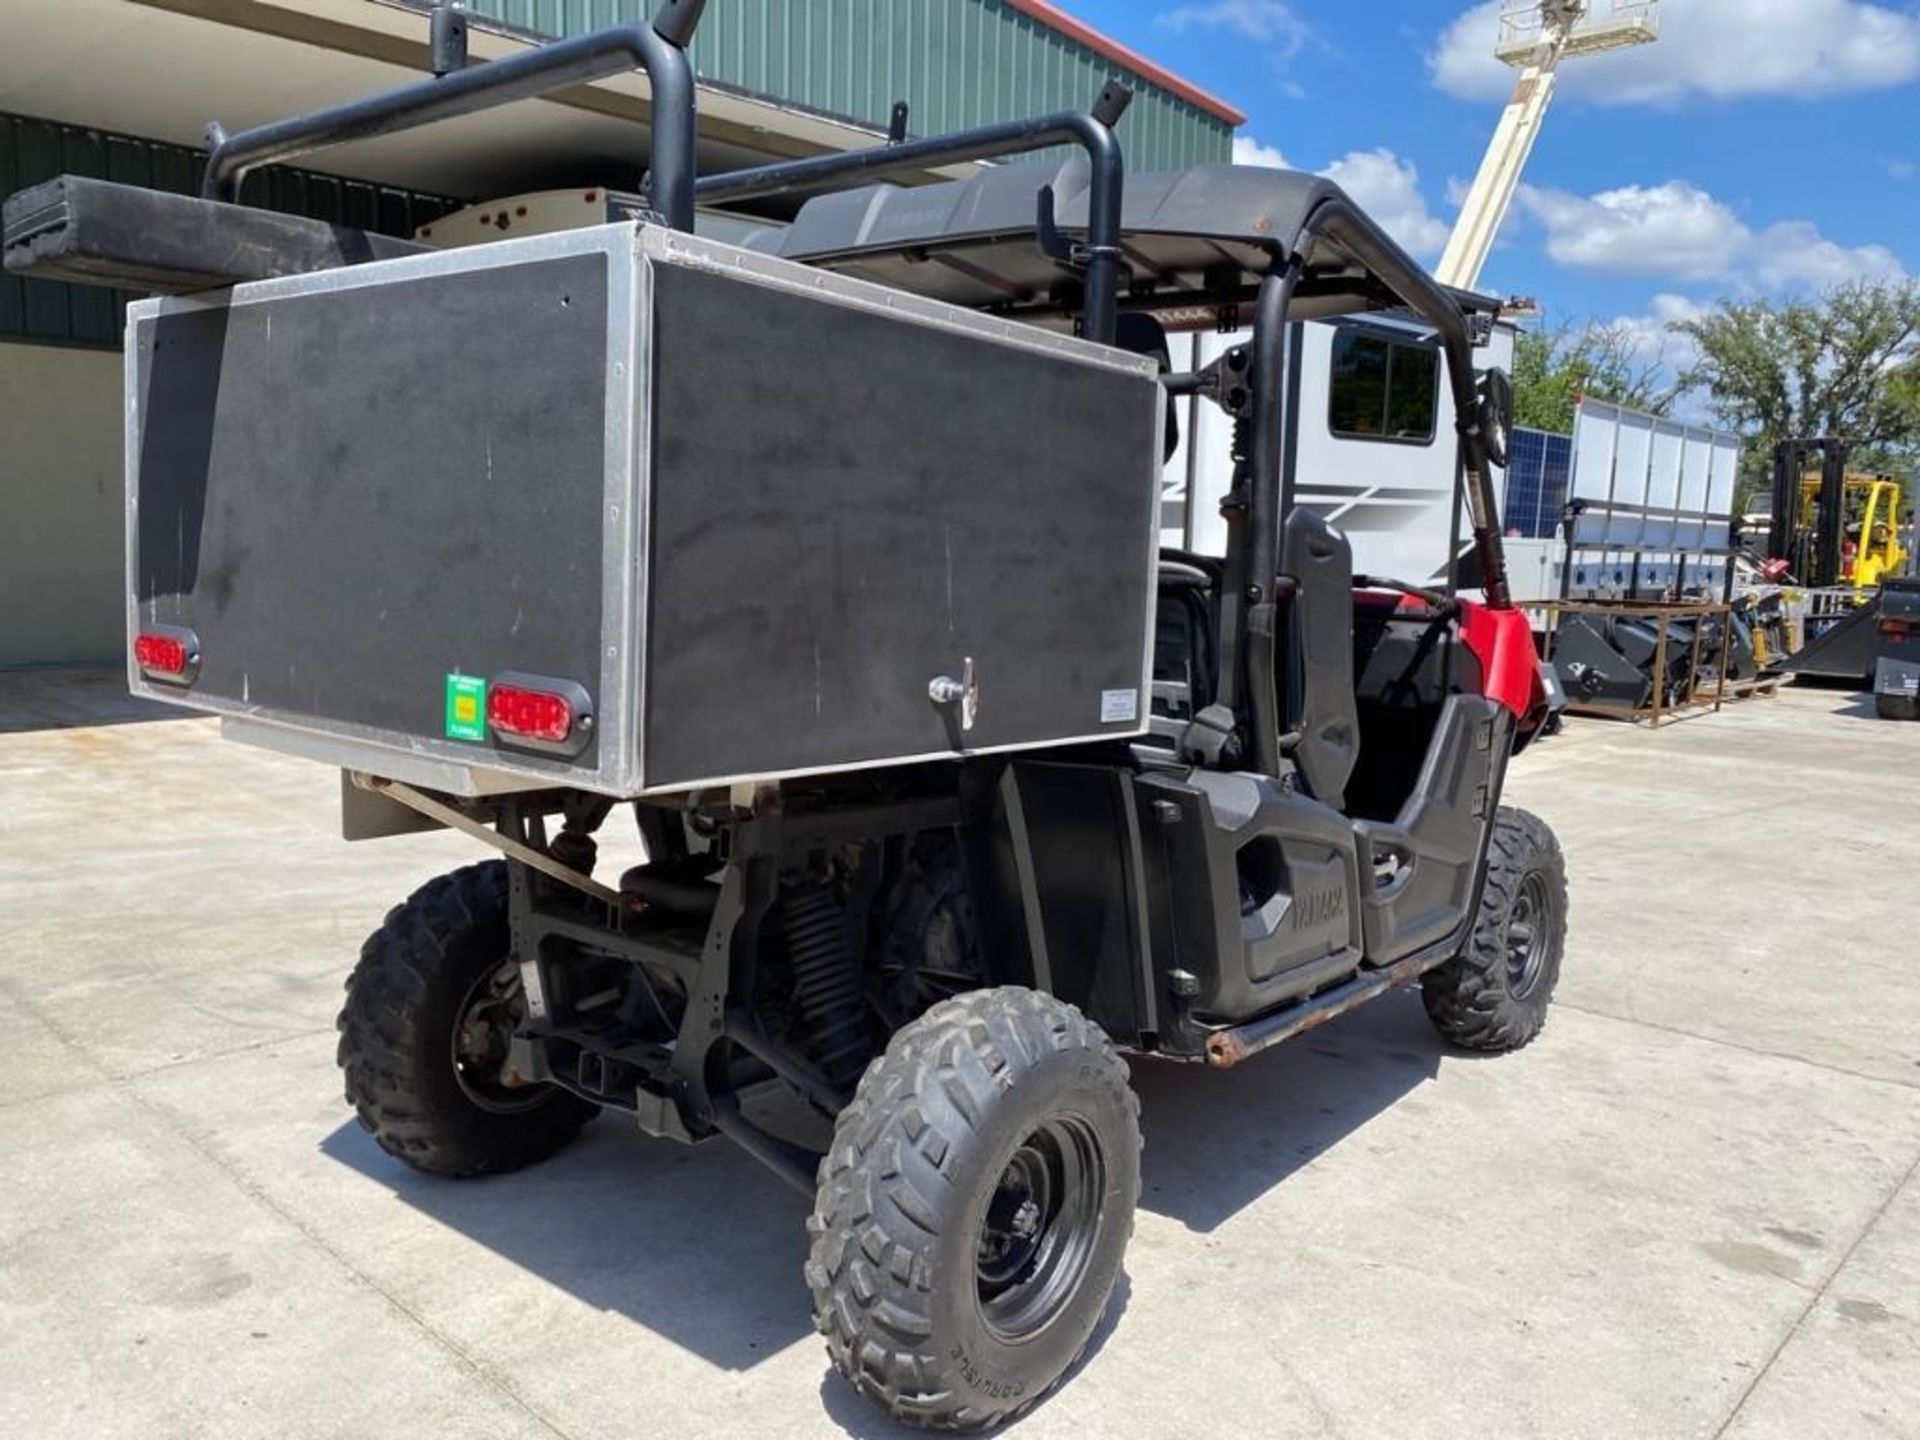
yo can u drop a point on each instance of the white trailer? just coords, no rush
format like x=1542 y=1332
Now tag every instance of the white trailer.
x=1376 y=452
x=1654 y=499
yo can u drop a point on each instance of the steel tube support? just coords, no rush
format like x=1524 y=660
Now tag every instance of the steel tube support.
x=1269 y=384
x=796 y=1070
x=657 y=48
x=1091 y=130
x=487 y=835
x=1259 y=637
x=1340 y=222
x=789 y=1162
x=1228 y=1047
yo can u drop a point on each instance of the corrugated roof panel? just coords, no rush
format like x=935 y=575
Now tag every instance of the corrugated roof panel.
x=35 y=150
x=956 y=62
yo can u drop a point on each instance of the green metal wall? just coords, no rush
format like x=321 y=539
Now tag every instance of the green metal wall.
x=956 y=63
x=36 y=150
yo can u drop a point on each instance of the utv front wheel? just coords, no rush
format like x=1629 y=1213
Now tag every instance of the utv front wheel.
x=974 y=1209
x=423 y=1036
x=1493 y=995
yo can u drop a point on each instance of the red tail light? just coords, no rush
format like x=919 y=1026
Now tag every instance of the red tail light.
x=540 y=713
x=1894 y=629
x=529 y=714
x=167 y=653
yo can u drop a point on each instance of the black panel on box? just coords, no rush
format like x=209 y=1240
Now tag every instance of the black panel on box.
x=349 y=494
x=846 y=506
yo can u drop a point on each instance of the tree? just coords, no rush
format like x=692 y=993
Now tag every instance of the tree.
x=1846 y=364
x=1555 y=365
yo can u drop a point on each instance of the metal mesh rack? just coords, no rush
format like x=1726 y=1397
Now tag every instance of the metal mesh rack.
x=1593 y=26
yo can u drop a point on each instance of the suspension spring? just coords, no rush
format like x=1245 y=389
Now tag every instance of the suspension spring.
x=826 y=984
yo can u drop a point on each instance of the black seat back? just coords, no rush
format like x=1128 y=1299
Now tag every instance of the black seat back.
x=1318 y=664
x=1184 y=646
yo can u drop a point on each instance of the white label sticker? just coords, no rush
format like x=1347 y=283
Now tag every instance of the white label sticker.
x=1118 y=705
x=530 y=987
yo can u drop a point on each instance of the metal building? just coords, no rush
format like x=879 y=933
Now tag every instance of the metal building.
x=124 y=89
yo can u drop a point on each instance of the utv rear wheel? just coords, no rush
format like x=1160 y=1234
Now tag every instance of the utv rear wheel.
x=423 y=1036
x=1493 y=995
x=974 y=1209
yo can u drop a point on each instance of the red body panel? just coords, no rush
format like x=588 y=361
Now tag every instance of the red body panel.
x=1502 y=641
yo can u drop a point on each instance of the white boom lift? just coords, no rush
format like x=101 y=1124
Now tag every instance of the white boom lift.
x=1535 y=36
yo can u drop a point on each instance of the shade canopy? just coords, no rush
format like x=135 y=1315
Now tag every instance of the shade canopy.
x=1195 y=242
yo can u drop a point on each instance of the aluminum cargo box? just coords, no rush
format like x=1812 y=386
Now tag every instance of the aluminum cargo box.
x=749 y=509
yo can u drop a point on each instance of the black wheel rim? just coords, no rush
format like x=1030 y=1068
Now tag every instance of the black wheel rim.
x=1529 y=932
x=1038 y=1233
x=483 y=1025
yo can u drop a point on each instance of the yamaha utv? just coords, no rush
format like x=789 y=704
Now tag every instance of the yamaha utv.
x=831 y=562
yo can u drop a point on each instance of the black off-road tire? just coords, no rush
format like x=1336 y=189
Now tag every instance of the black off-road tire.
x=903 y=1268
x=404 y=1001
x=1494 y=994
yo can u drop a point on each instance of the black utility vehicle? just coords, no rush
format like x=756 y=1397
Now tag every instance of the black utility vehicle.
x=1896 y=660
x=831 y=561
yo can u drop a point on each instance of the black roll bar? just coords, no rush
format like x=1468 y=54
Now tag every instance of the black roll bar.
x=1340 y=222
x=1091 y=130
x=1270 y=389
x=1248 y=652
x=659 y=48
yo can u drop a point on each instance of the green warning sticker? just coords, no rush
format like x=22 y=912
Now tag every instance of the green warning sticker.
x=466 y=707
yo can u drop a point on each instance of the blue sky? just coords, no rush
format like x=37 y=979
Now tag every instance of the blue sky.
x=1761 y=147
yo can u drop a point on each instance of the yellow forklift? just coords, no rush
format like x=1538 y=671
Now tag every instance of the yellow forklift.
x=1838 y=534
x=1883 y=521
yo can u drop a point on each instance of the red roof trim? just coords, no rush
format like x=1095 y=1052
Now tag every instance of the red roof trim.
x=1057 y=19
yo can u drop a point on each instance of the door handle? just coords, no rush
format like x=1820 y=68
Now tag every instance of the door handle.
x=944 y=690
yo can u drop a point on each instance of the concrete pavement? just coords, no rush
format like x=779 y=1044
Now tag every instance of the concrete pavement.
x=1689 y=1210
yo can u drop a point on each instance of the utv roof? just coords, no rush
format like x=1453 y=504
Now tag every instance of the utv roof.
x=1193 y=241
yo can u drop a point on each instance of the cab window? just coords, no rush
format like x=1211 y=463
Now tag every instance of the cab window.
x=1383 y=389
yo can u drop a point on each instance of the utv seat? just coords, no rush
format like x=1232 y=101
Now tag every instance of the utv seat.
x=1318 y=703
x=1184 y=649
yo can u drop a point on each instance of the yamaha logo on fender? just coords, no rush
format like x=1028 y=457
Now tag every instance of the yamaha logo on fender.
x=1320 y=907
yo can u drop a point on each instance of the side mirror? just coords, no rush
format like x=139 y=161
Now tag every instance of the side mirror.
x=1495 y=392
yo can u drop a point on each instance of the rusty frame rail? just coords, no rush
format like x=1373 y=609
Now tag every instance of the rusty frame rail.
x=1227 y=1047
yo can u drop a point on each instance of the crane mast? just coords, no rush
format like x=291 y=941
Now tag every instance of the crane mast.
x=1535 y=36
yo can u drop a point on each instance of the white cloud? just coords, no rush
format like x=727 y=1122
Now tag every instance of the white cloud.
x=1795 y=255
x=1679 y=231
x=1388 y=189
x=1652 y=346
x=1379 y=181
x=1652 y=343
x=1249 y=151
x=1716 y=49
x=1898 y=168
x=1267 y=21
x=1674 y=229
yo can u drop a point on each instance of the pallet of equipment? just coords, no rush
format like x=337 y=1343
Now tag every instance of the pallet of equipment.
x=1696 y=697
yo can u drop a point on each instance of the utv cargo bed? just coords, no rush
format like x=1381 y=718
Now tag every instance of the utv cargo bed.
x=680 y=487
